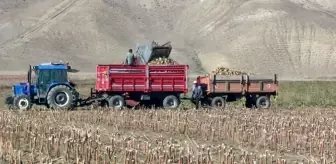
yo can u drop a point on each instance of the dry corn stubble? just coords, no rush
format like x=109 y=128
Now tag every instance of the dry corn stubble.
x=152 y=136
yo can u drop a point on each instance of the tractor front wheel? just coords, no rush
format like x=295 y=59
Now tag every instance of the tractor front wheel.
x=22 y=102
x=61 y=97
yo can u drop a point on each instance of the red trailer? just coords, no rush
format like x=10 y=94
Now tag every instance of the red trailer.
x=220 y=89
x=122 y=85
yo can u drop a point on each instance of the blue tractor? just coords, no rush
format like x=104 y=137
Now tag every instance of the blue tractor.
x=50 y=87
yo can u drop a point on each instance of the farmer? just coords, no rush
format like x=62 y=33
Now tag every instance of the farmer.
x=197 y=94
x=194 y=85
x=130 y=57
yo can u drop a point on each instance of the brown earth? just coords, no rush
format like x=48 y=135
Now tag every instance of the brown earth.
x=288 y=37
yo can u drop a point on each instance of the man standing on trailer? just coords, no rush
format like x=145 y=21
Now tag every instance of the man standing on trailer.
x=197 y=94
x=130 y=57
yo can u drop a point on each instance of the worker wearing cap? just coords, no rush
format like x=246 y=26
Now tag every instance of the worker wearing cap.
x=197 y=94
x=194 y=85
x=130 y=57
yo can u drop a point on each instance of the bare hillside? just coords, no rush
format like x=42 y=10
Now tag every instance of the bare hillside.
x=289 y=37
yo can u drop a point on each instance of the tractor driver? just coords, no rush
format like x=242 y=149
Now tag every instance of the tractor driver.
x=130 y=57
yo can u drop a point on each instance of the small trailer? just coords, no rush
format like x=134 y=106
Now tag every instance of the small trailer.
x=220 y=89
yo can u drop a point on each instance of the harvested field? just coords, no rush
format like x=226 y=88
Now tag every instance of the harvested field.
x=12 y=77
x=299 y=128
x=160 y=136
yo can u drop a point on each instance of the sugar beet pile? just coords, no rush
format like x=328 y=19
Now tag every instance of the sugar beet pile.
x=227 y=71
x=217 y=71
x=163 y=61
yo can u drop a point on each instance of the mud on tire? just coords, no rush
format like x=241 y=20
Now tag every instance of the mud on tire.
x=61 y=97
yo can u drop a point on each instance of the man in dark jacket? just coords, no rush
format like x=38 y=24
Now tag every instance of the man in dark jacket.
x=197 y=94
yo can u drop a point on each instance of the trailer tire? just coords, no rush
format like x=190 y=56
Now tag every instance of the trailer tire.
x=58 y=94
x=116 y=99
x=220 y=100
x=263 y=102
x=171 y=102
x=22 y=102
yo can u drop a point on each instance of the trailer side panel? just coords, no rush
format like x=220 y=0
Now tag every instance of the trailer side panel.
x=142 y=78
x=221 y=84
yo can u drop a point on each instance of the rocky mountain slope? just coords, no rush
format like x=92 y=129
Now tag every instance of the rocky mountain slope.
x=288 y=37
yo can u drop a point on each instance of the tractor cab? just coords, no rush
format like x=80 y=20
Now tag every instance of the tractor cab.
x=41 y=82
x=47 y=75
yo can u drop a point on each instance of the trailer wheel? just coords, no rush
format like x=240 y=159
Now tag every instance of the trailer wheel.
x=218 y=102
x=22 y=102
x=61 y=97
x=116 y=102
x=171 y=102
x=263 y=102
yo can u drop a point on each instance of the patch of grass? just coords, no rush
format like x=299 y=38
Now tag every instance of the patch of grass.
x=301 y=94
x=312 y=94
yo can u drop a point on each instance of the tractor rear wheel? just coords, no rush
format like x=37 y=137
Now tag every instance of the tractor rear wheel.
x=61 y=97
x=171 y=102
x=22 y=102
x=116 y=102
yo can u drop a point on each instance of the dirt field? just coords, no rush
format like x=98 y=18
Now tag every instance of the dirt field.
x=9 y=78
